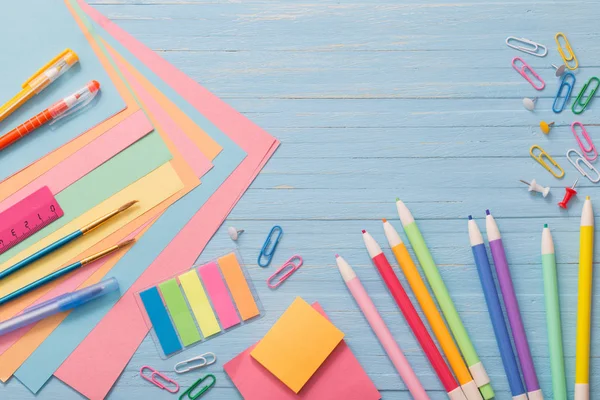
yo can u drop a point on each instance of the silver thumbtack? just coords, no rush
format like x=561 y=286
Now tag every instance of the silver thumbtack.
x=234 y=234
x=529 y=103
x=559 y=70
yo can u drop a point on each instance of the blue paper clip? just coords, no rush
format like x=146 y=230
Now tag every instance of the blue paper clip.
x=188 y=393
x=563 y=83
x=265 y=251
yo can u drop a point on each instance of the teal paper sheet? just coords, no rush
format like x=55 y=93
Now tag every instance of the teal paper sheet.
x=40 y=366
x=33 y=33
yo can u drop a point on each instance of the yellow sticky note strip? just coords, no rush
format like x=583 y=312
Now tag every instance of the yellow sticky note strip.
x=198 y=301
x=297 y=345
x=144 y=190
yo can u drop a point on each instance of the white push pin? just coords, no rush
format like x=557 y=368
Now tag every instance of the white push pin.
x=536 y=187
x=560 y=71
x=529 y=103
x=234 y=234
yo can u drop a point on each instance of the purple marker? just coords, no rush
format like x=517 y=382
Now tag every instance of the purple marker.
x=512 y=309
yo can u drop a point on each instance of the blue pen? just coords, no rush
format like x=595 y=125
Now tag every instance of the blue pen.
x=64 y=241
x=63 y=271
x=58 y=304
x=495 y=309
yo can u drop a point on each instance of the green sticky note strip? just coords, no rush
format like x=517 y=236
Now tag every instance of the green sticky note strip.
x=199 y=302
x=180 y=313
x=133 y=163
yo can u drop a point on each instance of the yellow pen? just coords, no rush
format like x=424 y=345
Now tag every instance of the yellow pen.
x=40 y=81
x=584 y=302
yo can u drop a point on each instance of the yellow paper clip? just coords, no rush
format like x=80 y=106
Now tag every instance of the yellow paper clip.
x=571 y=56
x=540 y=158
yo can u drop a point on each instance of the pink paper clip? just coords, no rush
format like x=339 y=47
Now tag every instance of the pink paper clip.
x=523 y=69
x=286 y=270
x=586 y=150
x=152 y=379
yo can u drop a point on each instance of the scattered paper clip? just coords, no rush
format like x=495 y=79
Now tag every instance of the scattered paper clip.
x=286 y=270
x=590 y=145
x=577 y=164
x=188 y=393
x=523 y=69
x=265 y=251
x=571 y=56
x=578 y=102
x=200 y=361
x=531 y=48
x=568 y=81
x=155 y=374
x=540 y=158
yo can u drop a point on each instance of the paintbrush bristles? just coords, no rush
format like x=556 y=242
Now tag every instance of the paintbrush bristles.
x=126 y=206
x=93 y=225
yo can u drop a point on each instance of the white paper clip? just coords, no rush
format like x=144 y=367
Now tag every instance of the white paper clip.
x=581 y=160
x=285 y=271
x=531 y=48
x=200 y=361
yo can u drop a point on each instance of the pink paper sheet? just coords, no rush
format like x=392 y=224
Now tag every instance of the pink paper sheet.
x=219 y=295
x=94 y=379
x=87 y=158
x=340 y=377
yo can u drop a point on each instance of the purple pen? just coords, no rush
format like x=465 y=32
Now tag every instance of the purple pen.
x=512 y=309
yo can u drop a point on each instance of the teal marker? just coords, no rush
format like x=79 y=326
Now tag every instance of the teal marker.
x=557 y=359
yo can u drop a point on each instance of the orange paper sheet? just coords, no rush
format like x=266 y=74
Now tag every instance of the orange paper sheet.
x=297 y=345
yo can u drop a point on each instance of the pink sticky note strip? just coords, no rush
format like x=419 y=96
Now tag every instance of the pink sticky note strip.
x=340 y=377
x=94 y=379
x=219 y=295
x=88 y=158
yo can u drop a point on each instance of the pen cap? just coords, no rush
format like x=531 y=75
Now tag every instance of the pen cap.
x=75 y=102
x=51 y=71
x=89 y=293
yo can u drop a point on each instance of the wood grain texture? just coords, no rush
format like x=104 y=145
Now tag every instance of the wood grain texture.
x=374 y=100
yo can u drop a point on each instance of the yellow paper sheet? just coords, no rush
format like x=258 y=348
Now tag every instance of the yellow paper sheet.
x=198 y=301
x=297 y=345
x=143 y=190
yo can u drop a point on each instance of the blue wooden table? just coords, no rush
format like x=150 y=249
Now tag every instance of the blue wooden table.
x=374 y=100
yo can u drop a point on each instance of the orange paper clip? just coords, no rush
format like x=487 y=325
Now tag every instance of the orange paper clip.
x=172 y=388
x=285 y=271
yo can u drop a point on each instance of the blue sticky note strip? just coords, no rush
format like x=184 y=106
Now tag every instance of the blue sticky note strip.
x=50 y=30
x=40 y=366
x=163 y=327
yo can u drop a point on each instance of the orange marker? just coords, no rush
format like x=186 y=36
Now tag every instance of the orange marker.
x=59 y=109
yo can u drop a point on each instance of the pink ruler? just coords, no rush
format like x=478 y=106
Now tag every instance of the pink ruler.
x=27 y=217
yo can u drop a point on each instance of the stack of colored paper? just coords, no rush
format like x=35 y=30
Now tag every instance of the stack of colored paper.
x=153 y=135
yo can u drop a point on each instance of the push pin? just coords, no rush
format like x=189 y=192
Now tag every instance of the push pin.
x=569 y=193
x=234 y=234
x=529 y=103
x=536 y=187
x=546 y=126
x=560 y=71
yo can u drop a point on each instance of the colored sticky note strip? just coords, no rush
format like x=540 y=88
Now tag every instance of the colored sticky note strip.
x=240 y=291
x=182 y=317
x=219 y=295
x=340 y=377
x=163 y=328
x=199 y=303
x=297 y=345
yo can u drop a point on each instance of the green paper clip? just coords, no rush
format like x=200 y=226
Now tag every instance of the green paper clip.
x=589 y=97
x=188 y=393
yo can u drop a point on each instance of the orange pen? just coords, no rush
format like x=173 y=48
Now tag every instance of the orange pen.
x=59 y=109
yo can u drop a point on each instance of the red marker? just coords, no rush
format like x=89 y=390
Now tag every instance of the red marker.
x=414 y=321
x=569 y=193
x=59 y=109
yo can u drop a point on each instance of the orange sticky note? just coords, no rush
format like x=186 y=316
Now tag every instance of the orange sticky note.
x=297 y=345
x=238 y=286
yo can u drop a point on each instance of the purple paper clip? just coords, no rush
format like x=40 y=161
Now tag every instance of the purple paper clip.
x=152 y=379
x=284 y=272
x=523 y=69
x=586 y=150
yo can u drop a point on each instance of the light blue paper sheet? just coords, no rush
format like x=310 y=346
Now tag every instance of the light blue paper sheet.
x=49 y=29
x=40 y=366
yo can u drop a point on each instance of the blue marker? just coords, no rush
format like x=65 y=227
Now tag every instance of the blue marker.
x=58 y=304
x=495 y=309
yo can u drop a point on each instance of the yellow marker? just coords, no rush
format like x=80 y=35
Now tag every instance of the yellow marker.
x=546 y=126
x=584 y=302
x=40 y=81
x=431 y=312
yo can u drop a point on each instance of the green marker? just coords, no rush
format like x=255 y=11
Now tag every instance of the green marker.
x=440 y=291
x=557 y=360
